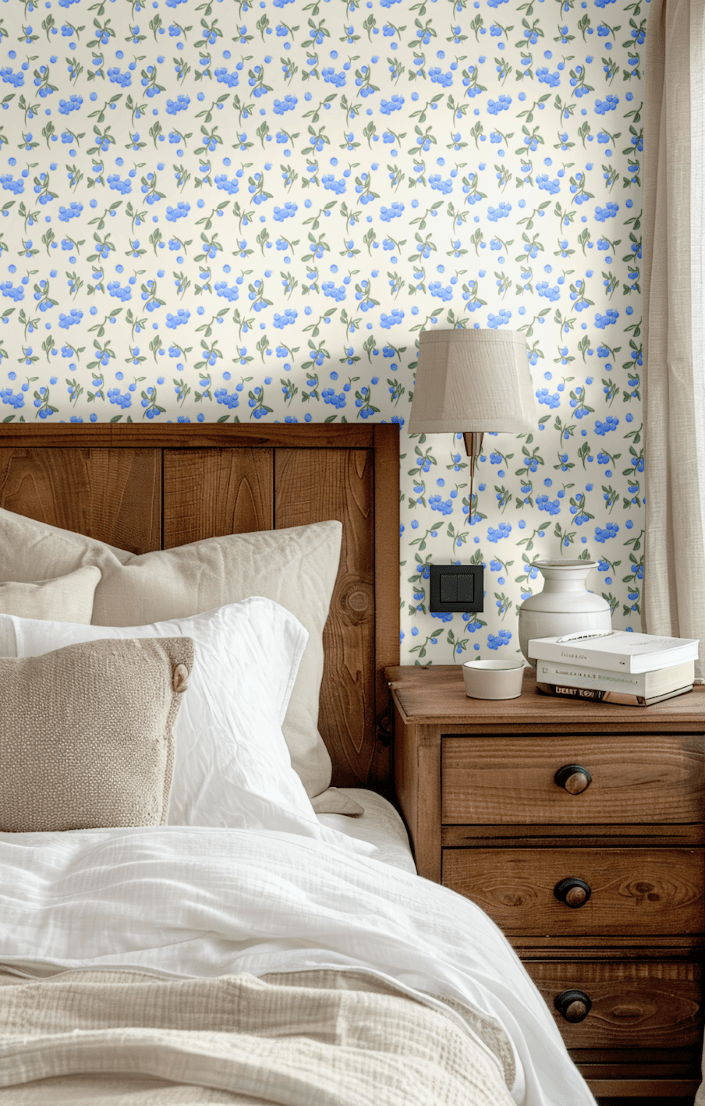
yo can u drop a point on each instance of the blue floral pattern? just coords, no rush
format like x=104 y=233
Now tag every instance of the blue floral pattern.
x=248 y=209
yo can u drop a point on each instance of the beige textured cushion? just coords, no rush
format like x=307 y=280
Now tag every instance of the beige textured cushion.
x=296 y=567
x=87 y=734
x=65 y=599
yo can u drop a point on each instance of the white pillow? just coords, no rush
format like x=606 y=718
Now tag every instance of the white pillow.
x=232 y=766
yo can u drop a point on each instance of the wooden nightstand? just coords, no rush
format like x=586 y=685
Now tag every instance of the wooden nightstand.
x=506 y=801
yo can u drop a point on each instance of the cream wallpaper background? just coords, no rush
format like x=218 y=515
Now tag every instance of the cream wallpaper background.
x=246 y=211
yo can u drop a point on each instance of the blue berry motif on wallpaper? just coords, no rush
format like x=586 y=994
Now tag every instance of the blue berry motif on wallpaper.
x=245 y=210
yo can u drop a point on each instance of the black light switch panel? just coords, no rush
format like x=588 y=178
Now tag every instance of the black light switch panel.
x=456 y=588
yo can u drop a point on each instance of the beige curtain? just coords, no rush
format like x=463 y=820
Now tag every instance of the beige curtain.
x=673 y=327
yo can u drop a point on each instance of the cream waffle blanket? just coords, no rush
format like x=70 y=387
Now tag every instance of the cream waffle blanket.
x=317 y=1038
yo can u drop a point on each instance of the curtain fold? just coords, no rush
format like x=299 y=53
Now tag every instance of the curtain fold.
x=673 y=286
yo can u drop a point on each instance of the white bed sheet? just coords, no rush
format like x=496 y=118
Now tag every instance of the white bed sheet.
x=191 y=901
x=381 y=825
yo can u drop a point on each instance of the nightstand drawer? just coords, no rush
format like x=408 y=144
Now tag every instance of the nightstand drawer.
x=634 y=778
x=632 y=891
x=640 y=1005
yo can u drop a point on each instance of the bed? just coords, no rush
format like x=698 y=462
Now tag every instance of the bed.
x=257 y=934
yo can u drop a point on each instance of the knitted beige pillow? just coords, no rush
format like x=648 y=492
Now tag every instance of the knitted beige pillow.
x=87 y=734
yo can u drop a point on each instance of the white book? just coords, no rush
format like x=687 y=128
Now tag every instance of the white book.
x=615 y=650
x=647 y=684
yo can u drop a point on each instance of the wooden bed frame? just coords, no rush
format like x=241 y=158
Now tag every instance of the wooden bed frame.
x=154 y=487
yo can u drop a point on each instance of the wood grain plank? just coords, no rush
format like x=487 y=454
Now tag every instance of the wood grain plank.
x=575 y=836
x=315 y=485
x=643 y=1089
x=209 y=493
x=681 y=1061
x=189 y=435
x=641 y=1005
x=634 y=891
x=417 y=783
x=428 y=845
x=386 y=551
x=680 y=1058
x=650 y=1100
x=111 y=495
x=406 y=777
x=661 y=781
x=613 y=1068
x=682 y=948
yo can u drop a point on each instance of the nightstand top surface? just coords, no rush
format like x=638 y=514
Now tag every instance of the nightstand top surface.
x=437 y=694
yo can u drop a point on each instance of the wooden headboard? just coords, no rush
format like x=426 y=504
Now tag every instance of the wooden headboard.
x=154 y=487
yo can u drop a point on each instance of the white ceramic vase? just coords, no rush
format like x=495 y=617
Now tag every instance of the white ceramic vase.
x=565 y=606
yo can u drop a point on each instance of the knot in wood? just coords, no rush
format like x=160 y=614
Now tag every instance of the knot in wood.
x=356 y=600
x=627 y=1011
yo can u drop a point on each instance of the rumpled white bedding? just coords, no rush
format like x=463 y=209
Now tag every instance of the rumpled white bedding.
x=379 y=825
x=189 y=901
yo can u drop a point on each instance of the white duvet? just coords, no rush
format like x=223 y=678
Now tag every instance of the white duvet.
x=187 y=901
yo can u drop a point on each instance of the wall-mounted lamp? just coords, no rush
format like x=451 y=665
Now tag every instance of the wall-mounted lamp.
x=471 y=381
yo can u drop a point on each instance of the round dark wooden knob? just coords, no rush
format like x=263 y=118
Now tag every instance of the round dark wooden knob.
x=573 y=778
x=574 y=1006
x=572 y=891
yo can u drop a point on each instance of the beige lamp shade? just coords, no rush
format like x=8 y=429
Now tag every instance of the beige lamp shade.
x=473 y=380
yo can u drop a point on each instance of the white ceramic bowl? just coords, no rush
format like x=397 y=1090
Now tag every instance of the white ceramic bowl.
x=493 y=679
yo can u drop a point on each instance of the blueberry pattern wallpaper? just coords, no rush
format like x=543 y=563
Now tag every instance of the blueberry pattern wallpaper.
x=248 y=209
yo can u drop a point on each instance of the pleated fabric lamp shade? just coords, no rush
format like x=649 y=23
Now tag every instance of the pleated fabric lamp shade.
x=471 y=381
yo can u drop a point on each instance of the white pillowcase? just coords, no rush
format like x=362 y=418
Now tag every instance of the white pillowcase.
x=232 y=766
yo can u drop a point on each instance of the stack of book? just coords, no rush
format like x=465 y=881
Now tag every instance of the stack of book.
x=614 y=666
